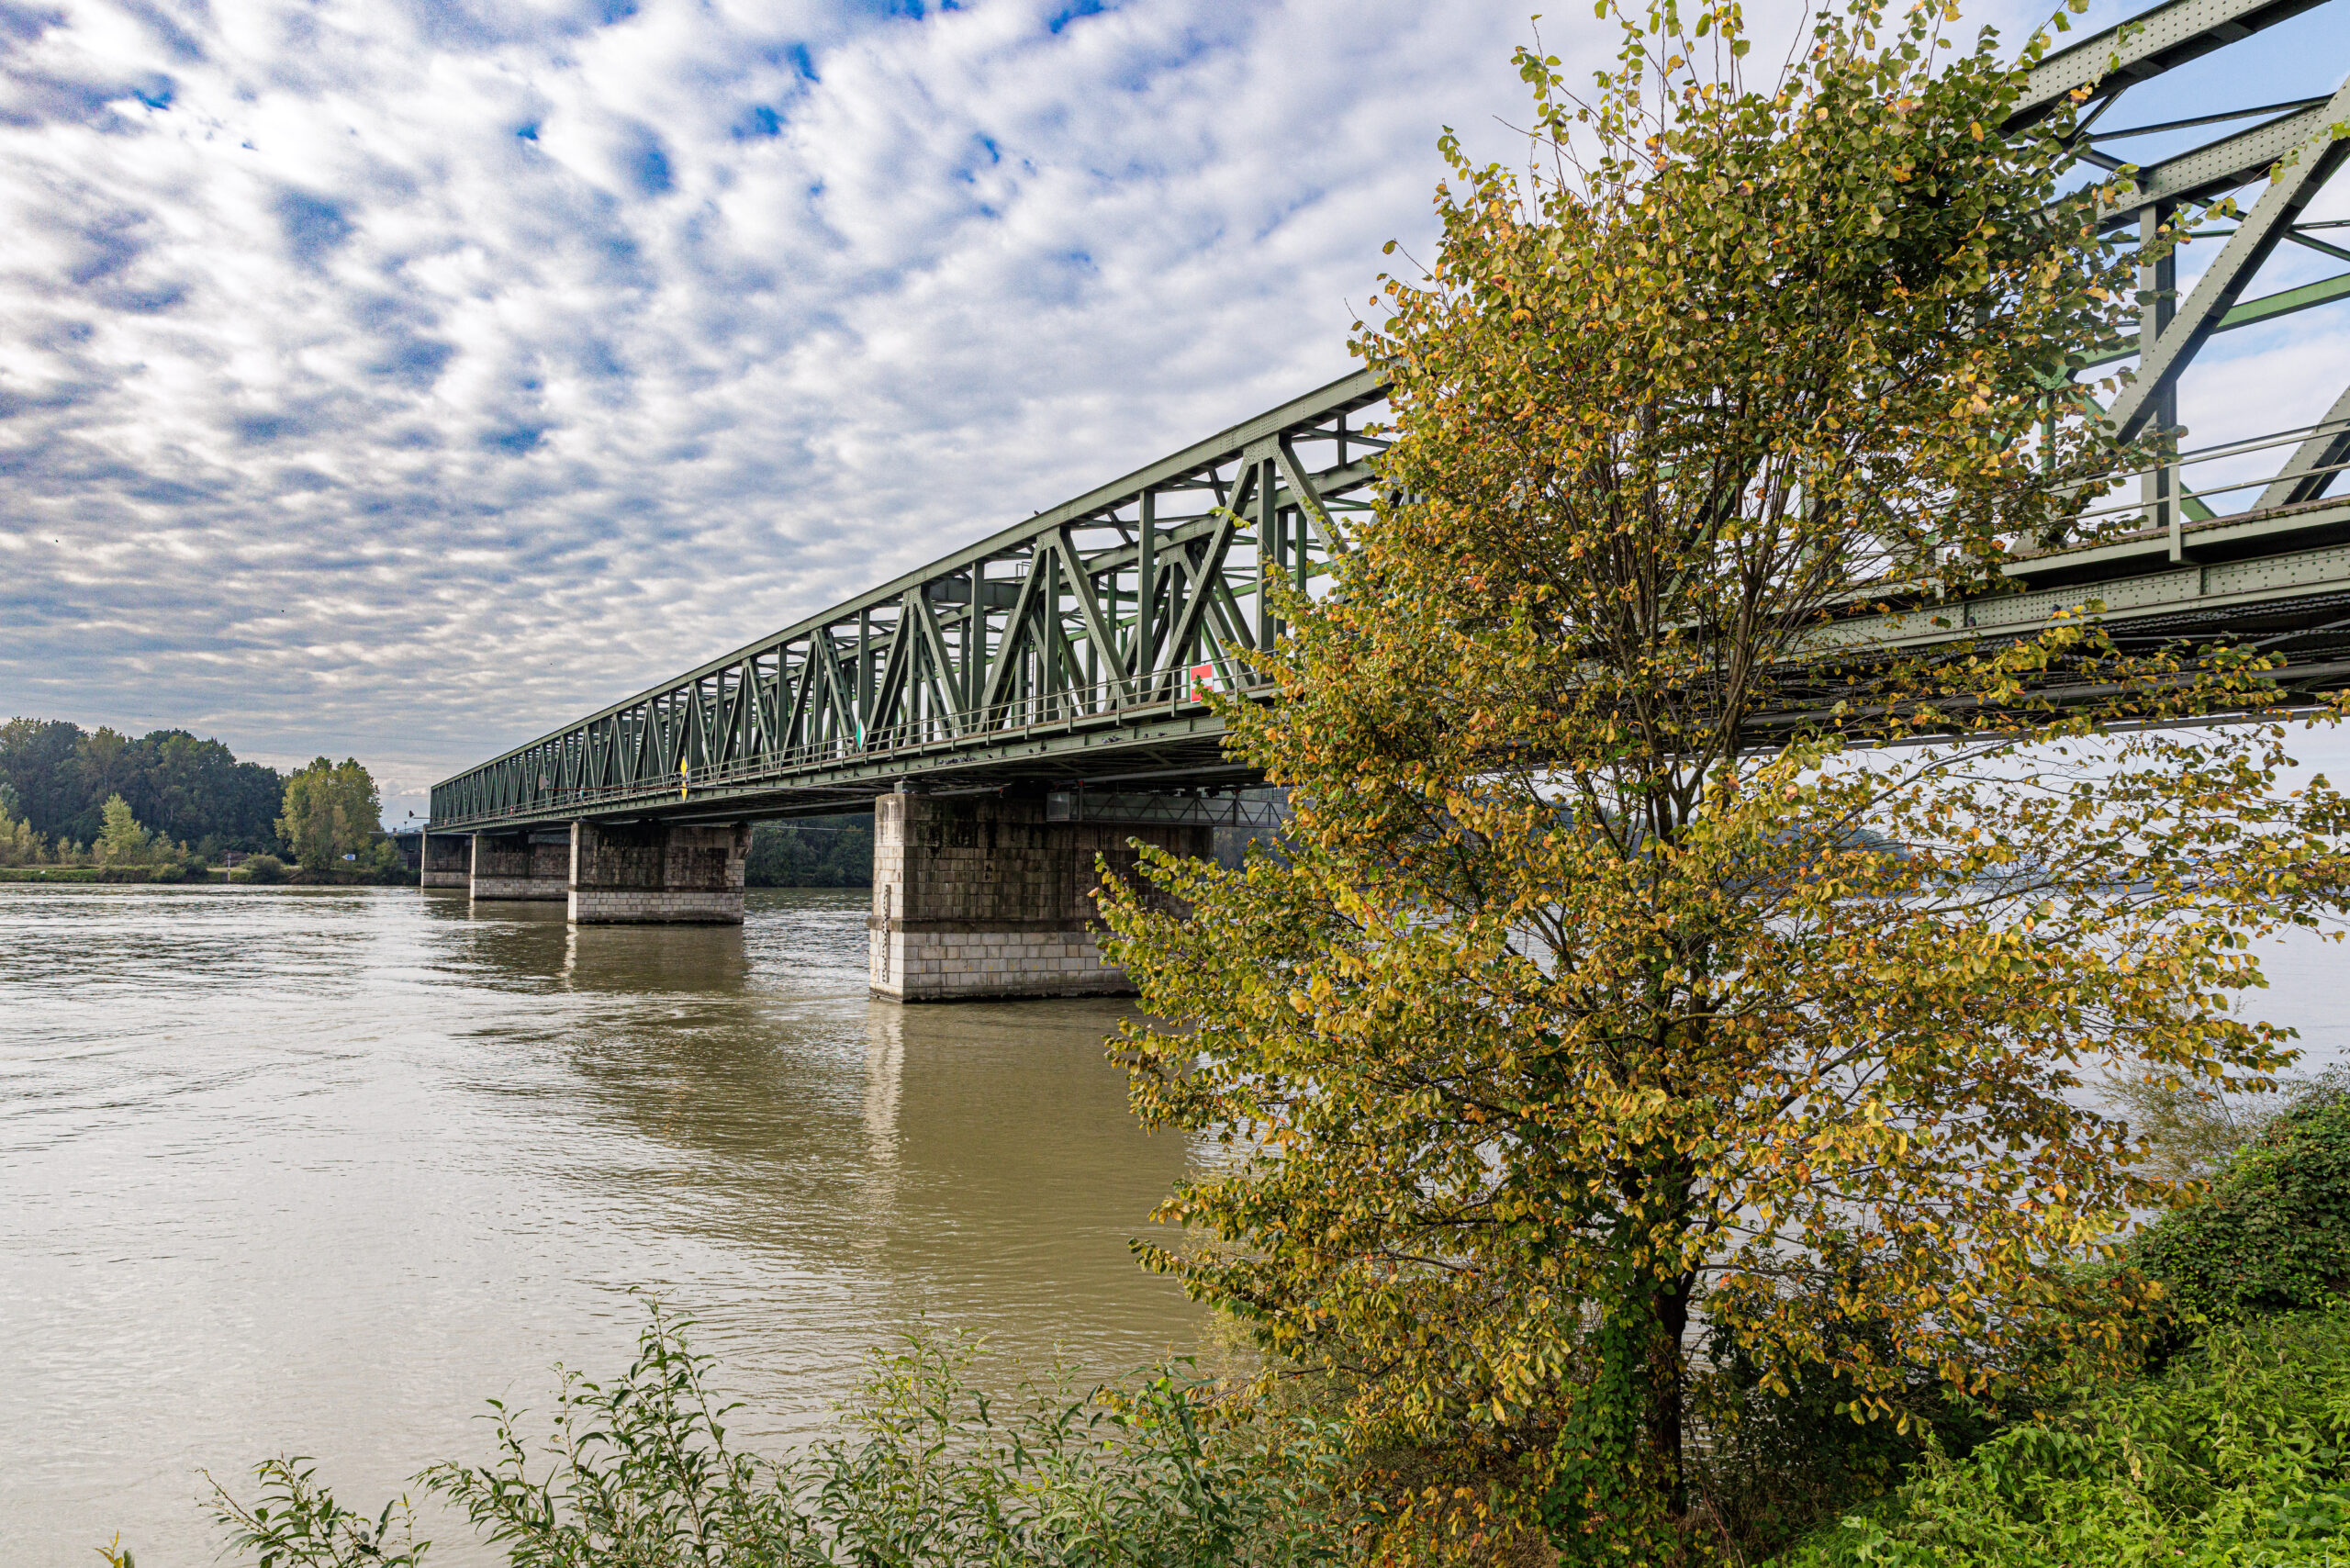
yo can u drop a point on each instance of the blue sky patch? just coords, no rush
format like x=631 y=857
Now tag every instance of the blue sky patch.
x=514 y=440
x=314 y=227
x=1072 y=12
x=757 y=121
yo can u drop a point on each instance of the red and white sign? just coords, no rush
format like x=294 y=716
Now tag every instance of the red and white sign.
x=1204 y=681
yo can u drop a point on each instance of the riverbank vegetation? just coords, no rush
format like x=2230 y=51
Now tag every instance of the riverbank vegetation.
x=2234 y=1446
x=166 y=807
x=60 y=777
x=332 y=821
x=924 y=1470
x=2224 y=1437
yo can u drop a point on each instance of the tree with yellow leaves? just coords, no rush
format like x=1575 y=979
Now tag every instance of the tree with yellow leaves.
x=1634 y=996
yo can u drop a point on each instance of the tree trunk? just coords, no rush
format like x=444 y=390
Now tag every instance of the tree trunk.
x=1669 y=1309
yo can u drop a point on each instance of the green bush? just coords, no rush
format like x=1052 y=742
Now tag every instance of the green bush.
x=2273 y=1234
x=2238 y=1454
x=925 y=1472
x=262 y=869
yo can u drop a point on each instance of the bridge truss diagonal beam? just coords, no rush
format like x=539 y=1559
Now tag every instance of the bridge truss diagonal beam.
x=2307 y=167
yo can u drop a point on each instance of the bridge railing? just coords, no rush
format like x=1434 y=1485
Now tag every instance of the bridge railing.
x=2175 y=495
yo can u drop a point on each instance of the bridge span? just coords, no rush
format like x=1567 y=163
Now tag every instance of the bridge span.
x=1014 y=707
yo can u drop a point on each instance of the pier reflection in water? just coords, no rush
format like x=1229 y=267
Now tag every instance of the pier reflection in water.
x=319 y=1170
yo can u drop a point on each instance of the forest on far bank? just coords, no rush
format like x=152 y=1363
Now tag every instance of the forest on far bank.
x=56 y=779
x=184 y=789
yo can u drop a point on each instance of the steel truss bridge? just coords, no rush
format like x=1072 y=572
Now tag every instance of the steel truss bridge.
x=1075 y=647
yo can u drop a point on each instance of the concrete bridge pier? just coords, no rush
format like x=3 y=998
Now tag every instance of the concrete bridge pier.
x=985 y=896
x=654 y=874
x=445 y=861
x=520 y=865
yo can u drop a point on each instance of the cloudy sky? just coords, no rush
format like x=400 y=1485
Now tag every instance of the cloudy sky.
x=403 y=379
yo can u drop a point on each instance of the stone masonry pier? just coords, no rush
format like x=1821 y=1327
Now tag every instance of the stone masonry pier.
x=653 y=874
x=983 y=896
x=447 y=860
x=520 y=865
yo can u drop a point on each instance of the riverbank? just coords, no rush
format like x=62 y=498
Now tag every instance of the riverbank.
x=213 y=876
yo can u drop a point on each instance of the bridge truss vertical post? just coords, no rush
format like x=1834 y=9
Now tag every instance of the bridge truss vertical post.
x=2158 y=282
x=1145 y=637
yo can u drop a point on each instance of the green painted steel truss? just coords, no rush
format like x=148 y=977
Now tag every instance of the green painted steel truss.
x=1080 y=641
x=1074 y=646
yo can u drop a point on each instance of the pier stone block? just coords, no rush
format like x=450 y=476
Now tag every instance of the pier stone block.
x=654 y=874
x=447 y=860
x=981 y=896
x=535 y=865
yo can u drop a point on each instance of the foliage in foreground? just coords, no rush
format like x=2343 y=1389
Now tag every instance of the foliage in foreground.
x=926 y=1472
x=2239 y=1454
x=1619 y=976
x=2192 y=1130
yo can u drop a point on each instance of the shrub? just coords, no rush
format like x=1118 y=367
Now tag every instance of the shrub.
x=1778 y=1463
x=2273 y=1234
x=2235 y=1455
x=926 y=1472
x=262 y=869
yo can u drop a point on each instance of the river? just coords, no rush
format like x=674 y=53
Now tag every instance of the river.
x=318 y=1170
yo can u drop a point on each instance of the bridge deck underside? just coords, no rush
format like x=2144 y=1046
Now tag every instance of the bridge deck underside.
x=2294 y=603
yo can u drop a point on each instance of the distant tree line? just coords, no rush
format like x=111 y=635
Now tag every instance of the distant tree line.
x=813 y=852
x=71 y=796
x=181 y=789
x=166 y=805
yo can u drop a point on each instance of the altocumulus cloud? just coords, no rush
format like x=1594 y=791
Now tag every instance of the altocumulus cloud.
x=401 y=378
x=404 y=379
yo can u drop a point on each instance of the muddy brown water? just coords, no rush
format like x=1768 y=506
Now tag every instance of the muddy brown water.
x=317 y=1170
